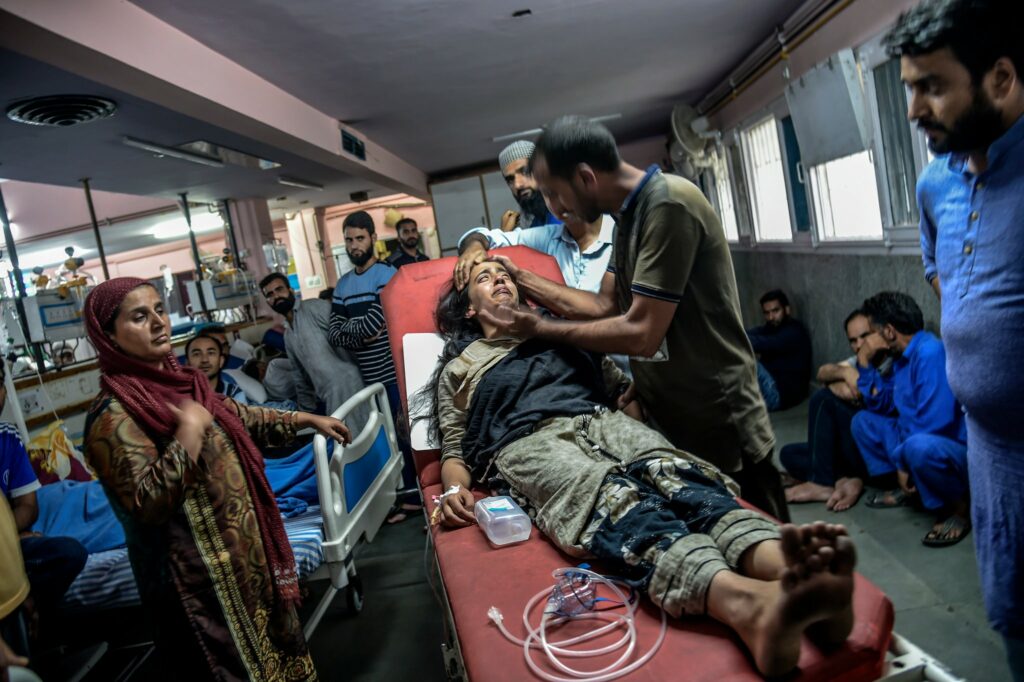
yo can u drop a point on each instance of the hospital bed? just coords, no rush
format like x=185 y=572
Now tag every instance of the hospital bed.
x=474 y=576
x=356 y=486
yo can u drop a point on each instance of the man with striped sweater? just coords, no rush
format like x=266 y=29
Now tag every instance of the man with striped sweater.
x=357 y=323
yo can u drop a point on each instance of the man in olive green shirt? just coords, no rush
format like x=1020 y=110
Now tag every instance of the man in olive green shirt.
x=669 y=300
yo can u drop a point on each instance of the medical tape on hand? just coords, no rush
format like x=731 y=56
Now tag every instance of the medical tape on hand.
x=435 y=516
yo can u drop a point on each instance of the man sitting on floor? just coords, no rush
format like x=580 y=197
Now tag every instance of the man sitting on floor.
x=205 y=353
x=828 y=466
x=912 y=424
x=783 y=350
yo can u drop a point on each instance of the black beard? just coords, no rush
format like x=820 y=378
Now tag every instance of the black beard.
x=283 y=306
x=411 y=243
x=360 y=261
x=535 y=211
x=976 y=129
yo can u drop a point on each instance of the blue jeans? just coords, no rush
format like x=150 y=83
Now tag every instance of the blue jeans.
x=769 y=391
x=830 y=451
x=408 y=467
x=52 y=564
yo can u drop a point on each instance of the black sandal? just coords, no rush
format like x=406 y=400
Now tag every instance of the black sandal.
x=941 y=538
x=396 y=515
x=898 y=497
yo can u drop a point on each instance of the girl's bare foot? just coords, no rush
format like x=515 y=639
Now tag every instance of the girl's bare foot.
x=814 y=595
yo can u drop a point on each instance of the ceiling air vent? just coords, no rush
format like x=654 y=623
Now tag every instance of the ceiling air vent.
x=61 y=110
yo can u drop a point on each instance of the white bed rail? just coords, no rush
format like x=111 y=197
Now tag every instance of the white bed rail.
x=344 y=527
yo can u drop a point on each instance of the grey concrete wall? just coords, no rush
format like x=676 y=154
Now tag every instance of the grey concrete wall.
x=823 y=289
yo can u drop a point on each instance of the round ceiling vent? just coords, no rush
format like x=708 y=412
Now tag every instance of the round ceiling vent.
x=61 y=110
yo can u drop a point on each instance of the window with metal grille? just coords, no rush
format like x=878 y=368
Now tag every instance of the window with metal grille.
x=767 y=176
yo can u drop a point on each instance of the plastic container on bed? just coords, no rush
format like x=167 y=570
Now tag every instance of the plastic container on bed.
x=502 y=520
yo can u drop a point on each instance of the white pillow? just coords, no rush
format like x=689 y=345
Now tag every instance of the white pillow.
x=422 y=352
x=254 y=390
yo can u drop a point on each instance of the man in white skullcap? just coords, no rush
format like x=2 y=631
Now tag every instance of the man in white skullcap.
x=534 y=212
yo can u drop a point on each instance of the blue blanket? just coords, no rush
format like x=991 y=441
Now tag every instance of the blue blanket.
x=79 y=510
x=293 y=479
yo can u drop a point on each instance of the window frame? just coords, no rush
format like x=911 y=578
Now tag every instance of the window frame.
x=775 y=111
x=870 y=56
x=721 y=152
x=895 y=240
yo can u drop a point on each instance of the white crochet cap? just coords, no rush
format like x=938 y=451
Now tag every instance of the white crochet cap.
x=520 y=149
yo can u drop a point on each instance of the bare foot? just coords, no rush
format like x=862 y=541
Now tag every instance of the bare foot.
x=848 y=491
x=808 y=492
x=814 y=594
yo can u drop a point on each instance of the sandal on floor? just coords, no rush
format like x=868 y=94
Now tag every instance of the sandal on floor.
x=396 y=515
x=942 y=538
x=888 y=499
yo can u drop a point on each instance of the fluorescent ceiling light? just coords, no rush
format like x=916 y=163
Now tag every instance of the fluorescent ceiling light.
x=538 y=131
x=173 y=152
x=295 y=182
x=176 y=228
x=46 y=257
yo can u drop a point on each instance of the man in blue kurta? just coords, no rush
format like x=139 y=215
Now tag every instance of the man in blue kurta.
x=963 y=62
x=911 y=424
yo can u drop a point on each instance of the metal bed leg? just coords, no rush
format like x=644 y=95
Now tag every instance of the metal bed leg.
x=451 y=652
x=321 y=609
x=910 y=663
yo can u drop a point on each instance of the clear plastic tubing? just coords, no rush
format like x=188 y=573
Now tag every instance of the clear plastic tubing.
x=536 y=637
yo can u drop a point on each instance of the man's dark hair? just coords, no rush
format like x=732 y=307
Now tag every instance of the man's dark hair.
x=978 y=32
x=403 y=221
x=776 y=295
x=326 y=294
x=895 y=308
x=202 y=335
x=271 y=277
x=360 y=219
x=857 y=312
x=571 y=140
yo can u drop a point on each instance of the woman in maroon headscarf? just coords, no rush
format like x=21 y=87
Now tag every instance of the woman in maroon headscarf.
x=206 y=541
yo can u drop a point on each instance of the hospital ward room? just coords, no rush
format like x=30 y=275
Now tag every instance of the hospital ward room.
x=546 y=340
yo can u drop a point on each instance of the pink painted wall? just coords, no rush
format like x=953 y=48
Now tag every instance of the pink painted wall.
x=39 y=209
x=145 y=263
x=642 y=153
x=335 y=216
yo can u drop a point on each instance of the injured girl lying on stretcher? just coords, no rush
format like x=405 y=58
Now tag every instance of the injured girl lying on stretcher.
x=538 y=420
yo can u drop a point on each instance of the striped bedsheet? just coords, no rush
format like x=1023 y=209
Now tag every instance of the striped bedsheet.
x=107 y=580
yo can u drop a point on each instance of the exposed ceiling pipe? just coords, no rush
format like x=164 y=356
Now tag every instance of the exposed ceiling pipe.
x=770 y=54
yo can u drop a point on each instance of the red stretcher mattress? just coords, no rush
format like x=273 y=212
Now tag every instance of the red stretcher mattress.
x=477 y=576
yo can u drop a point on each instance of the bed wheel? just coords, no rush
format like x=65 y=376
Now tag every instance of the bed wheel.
x=354 y=594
